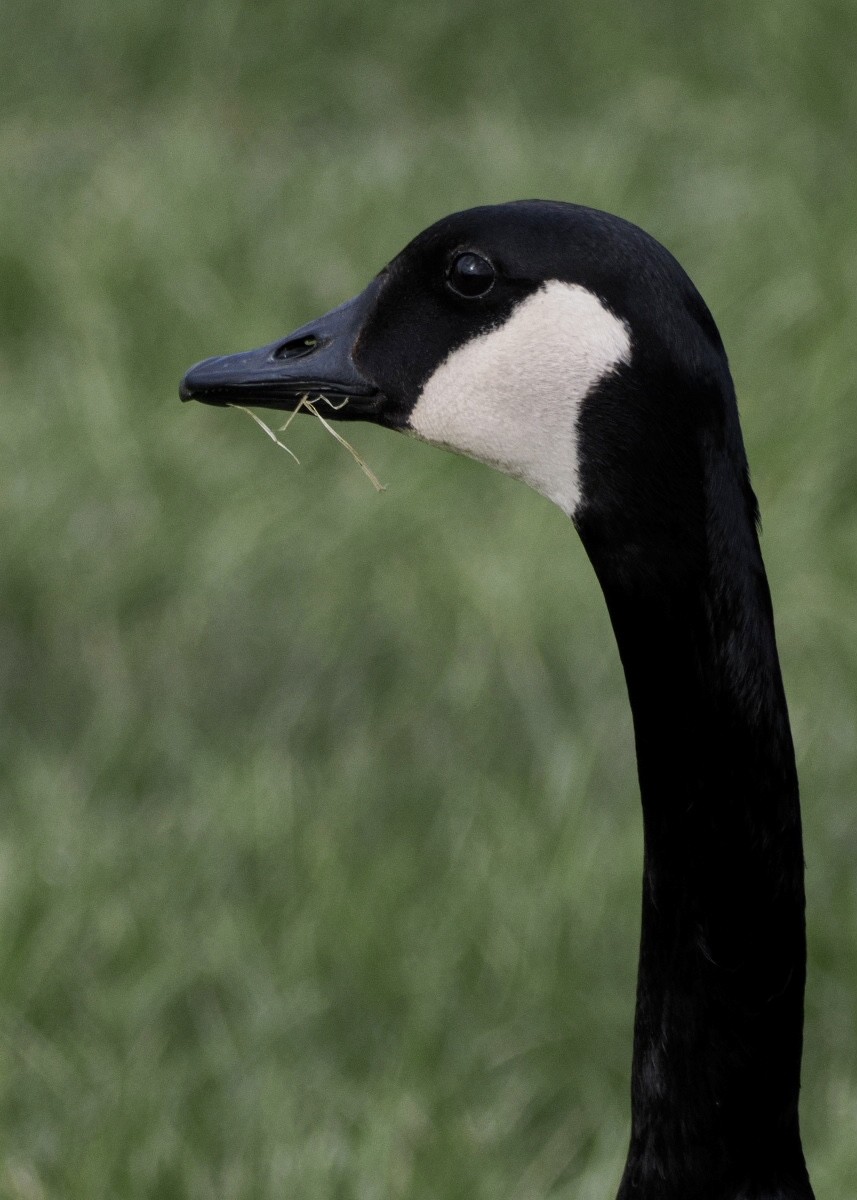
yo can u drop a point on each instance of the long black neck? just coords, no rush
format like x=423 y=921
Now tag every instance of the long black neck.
x=718 y=1029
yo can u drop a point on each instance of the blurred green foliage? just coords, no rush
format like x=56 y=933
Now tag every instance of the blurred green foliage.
x=319 y=836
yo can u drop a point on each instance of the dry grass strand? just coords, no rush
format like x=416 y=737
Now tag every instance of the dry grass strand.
x=310 y=406
x=364 y=467
x=268 y=430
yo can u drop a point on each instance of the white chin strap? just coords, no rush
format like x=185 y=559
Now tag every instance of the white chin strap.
x=510 y=397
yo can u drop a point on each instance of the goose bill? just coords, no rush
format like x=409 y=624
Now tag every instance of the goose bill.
x=315 y=360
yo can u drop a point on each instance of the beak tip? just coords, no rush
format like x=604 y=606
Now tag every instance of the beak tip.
x=197 y=382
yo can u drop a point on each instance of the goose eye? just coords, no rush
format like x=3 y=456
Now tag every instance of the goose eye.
x=471 y=275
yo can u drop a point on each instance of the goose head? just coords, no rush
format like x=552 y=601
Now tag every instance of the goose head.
x=558 y=344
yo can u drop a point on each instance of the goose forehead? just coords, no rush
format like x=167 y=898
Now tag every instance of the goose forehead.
x=511 y=396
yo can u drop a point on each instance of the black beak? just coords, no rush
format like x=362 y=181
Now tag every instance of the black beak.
x=316 y=360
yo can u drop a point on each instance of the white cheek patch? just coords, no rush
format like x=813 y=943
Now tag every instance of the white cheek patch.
x=511 y=397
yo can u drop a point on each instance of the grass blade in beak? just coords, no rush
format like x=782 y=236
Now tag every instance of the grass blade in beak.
x=309 y=405
x=268 y=430
x=367 y=470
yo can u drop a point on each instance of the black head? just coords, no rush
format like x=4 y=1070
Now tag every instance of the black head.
x=560 y=344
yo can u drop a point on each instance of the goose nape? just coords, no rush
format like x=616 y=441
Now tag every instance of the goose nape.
x=567 y=348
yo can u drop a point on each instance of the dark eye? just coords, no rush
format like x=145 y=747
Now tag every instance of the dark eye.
x=471 y=275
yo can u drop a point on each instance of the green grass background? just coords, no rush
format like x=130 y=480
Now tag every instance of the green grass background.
x=319 y=833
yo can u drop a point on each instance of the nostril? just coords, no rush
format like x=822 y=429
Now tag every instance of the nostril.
x=298 y=347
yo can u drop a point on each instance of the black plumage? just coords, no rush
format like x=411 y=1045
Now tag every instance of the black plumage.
x=669 y=521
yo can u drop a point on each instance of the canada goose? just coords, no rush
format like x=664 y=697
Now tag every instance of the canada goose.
x=568 y=348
